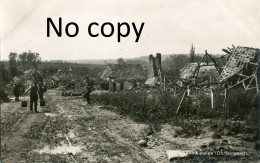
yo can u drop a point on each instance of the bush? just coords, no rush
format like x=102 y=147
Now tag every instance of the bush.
x=158 y=106
x=240 y=103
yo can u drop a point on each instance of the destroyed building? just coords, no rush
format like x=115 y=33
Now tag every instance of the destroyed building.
x=123 y=76
x=154 y=70
x=241 y=67
x=28 y=77
x=71 y=80
x=204 y=72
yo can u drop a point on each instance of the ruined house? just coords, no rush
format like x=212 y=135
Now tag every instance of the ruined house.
x=154 y=70
x=241 y=67
x=123 y=76
x=65 y=77
x=206 y=71
x=29 y=76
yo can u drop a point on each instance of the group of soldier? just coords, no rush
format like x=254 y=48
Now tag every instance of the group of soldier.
x=38 y=88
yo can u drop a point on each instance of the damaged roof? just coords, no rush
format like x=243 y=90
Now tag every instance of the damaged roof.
x=205 y=71
x=239 y=58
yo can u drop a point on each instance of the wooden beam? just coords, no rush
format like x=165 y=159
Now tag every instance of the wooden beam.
x=244 y=85
x=198 y=67
x=256 y=81
x=252 y=63
x=181 y=101
x=250 y=88
x=240 y=82
x=257 y=88
x=242 y=75
x=212 y=98
x=250 y=82
x=207 y=61
x=216 y=65
x=164 y=87
x=225 y=98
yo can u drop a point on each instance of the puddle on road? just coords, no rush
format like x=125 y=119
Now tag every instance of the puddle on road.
x=50 y=114
x=64 y=149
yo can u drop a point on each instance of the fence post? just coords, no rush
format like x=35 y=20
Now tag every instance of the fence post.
x=164 y=87
x=225 y=98
x=212 y=98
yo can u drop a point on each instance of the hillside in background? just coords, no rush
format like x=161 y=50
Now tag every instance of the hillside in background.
x=114 y=61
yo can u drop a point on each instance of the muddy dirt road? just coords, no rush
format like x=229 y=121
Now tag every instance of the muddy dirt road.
x=67 y=130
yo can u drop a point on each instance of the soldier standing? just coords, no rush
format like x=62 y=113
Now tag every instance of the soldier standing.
x=42 y=89
x=17 y=91
x=88 y=88
x=34 y=88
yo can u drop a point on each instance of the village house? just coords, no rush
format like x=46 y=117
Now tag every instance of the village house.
x=204 y=72
x=123 y=76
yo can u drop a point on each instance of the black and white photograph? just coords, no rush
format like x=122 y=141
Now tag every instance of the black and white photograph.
x=129 y=81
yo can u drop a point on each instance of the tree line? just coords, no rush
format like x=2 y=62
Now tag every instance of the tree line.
x=23 y=61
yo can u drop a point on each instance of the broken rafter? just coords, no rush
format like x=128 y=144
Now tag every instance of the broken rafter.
x=197 y=68
x=226 y=51
x=181 y=101
x=249 y=82
x=207 y=60
x=252 y=63
x=207 y=57
x=250 y=88
x=243 y=75
x=215 y=63
x=244 y=85
x=256 y=81
x=240 y=82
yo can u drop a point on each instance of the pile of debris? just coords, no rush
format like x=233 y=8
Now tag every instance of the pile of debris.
x=205 y=73
x=124 y=72
x=27 y=78
x=71 y=81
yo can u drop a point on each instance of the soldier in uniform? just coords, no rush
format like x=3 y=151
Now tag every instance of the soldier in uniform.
x=88 y=89
x=42 y=89
x=34 y=91
x=17 y=91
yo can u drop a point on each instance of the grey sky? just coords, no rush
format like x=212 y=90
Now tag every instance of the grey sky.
x=171 y=26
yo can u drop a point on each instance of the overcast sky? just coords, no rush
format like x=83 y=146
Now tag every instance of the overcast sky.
x=171 y=26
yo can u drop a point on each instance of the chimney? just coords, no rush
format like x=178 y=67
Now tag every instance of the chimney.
x=159 y=61
x=151 y=68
